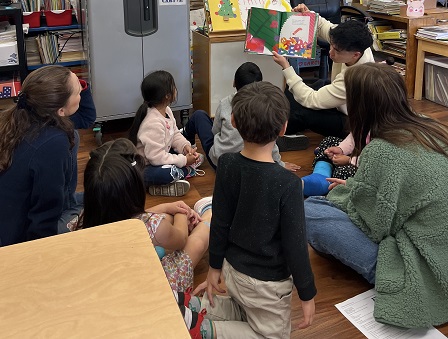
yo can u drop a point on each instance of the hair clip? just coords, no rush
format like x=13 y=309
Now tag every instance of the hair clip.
x=21 y=102
x=133 y=163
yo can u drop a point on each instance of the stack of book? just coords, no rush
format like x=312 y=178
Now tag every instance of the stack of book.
x=387 y=39
x=390 y=7
x=433 y=32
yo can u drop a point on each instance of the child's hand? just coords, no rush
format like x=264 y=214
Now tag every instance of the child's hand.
x=191 y=158
x=281 y=60
x=308 y=310
x=332 y=151
x=177 y=207
x=335 y=182
x=193 y=220
x=340 y=159
x=200 y=289
x=213 y=281
x=292 y=167
x=190 y=150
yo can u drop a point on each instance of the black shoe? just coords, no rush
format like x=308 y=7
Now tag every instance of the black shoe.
x=295 y=142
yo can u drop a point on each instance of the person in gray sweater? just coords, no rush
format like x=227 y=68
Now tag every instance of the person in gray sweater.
x=218 y=136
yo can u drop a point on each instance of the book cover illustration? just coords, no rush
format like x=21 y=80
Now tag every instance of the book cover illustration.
x=291 y=34
x=224 y=15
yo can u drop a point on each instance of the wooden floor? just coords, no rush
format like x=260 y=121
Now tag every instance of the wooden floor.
x=335 y=282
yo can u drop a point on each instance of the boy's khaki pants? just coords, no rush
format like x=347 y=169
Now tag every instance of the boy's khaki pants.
x=253 y=309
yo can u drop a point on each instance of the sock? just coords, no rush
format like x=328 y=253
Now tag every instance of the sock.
x=315 y=184
x=188 y=317
x=207 y=329
x=324 y=168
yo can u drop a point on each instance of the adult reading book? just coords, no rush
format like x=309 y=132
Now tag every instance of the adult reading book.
x=291 y=34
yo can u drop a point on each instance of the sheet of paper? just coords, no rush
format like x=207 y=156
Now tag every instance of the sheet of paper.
x=359 y=310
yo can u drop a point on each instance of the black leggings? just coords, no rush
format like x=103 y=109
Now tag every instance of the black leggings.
x=323 y=121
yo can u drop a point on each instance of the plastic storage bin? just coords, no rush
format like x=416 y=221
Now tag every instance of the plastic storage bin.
x=31 y=18
x=8 y=54
x=58 y=17
x=436 y=80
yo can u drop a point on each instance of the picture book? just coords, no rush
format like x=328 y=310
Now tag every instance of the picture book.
x=292 y=34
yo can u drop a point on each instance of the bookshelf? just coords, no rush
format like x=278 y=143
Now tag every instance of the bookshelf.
x=14 y=11
x=74 y=55
x=410 y=24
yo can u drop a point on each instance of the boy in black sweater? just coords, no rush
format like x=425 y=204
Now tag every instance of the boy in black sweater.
x=257 y=236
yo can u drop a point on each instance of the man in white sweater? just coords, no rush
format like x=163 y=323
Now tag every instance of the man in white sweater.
x=322 y=107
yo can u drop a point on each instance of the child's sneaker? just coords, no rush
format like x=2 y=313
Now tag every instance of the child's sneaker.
x=295 y=142
x=203 y=205
x=174 y=189
x=193 y=320
x=193 y=302
x=193 y=170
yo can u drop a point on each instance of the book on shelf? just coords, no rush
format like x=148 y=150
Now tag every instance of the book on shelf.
x=433 y=32
x=375 y=27
x=292 y=34
x=392 y=34
x=231 y=15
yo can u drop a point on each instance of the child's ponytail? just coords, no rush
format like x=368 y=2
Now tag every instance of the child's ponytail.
x=138 y=119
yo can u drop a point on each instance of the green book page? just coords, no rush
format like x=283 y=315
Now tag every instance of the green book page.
x=262 y=31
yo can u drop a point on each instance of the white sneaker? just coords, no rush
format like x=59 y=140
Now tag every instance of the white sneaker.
x=203 y=205
x=174 y=189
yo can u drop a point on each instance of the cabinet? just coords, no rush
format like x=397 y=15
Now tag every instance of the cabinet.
x=431 y=17
x=215 y=60
x=14 y=11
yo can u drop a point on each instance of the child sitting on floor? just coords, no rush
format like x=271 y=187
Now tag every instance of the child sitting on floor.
x=219 y=136
x=155 y=134
x=257 y=235
x=114 y=191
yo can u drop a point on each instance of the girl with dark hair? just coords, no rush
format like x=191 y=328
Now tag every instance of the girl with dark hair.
x=36 y=139
x=155 y=134
x=114 y=190
x=388 y=222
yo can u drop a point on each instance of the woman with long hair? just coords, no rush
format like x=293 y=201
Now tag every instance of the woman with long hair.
x=388 y=222
x=36 y=138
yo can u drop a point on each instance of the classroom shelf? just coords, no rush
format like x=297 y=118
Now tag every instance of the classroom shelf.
x=53 y=28
x=65 y=64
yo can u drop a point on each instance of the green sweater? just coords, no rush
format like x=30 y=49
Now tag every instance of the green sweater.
x=399 y=199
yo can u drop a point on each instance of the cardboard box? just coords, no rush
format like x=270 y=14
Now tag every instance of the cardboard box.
x=436 y=79
x=429 y=4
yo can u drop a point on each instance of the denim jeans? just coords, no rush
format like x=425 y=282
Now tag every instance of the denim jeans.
x=73 y=202
x=330 y=231
x=200 y=124
x=163 y=175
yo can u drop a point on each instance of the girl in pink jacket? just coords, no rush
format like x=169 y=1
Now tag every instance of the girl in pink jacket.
x=168 y=155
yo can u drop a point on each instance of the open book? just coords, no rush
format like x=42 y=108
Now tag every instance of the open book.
x=291 y=34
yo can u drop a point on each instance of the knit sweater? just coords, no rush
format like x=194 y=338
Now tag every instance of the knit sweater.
x=398 y=199
x=258 y=222
x=227 y=139
x=34 y=188
x=329 y=96
x=157 y=135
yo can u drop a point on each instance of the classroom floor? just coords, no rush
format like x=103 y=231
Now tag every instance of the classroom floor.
x=335 y=282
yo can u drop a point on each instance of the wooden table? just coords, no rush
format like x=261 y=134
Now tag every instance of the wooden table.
x=106 y=281
x=430 y=46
